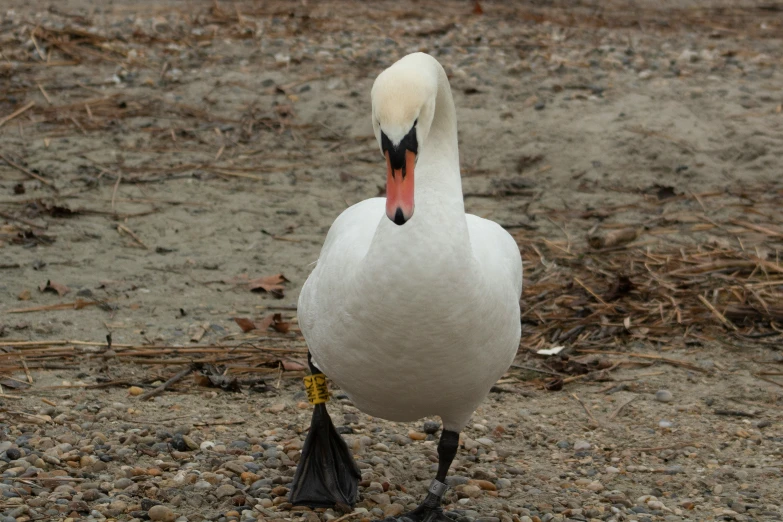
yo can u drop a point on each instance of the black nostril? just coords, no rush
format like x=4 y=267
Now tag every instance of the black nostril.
x=399 y=219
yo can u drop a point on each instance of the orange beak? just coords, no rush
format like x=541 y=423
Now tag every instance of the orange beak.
x=399 y=189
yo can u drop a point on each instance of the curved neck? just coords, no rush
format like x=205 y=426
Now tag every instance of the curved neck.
x=437 y=171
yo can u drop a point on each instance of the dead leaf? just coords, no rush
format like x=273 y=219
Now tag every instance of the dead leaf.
x=212 y=380
x=477 y=10
x=266 y=322
x=50 y=286
x=279 y=325
x=60 y=211
x=271 y=284
x=245 y=324
x=24 y=295
x=527 y=161
x=622 y=287
x=272 y=320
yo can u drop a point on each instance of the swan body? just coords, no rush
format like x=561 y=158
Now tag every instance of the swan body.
x=414 y=313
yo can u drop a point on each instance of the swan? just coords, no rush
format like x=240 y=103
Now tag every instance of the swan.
x=412 y=308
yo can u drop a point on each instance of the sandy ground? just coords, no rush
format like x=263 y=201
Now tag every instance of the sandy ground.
x=185 y=145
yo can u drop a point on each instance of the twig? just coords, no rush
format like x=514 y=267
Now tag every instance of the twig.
x=717 y=314
x=769 y=381
x=219 y=423
x=16 y=113
x=539 y=370
x=45 y=94
x=734 y=413
x=75 y=305
x=26 y=171
x=114 y=192
x=160 y=389
x=620 y=408
x=589 y=413
x=591 y=292
x=673 y=362
x=122 y=228
x=21 y=220
x=349 y=515
x=26 y=370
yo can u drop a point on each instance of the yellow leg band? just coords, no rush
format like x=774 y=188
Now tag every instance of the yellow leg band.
x=315 y=386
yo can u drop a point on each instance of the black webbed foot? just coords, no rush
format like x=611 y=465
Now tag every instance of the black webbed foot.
x=326 y=474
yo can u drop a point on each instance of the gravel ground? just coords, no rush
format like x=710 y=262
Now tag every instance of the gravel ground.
x=199 y=141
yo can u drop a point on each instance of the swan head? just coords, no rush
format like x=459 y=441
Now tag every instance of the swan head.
x=403 y=107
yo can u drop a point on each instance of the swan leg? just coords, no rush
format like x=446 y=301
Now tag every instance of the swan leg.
x=430 y=509
x=326 y=475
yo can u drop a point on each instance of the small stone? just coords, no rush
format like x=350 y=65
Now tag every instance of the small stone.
x=392 y=510
x=280 y=491
x=431 y=427
x=582 y=445
x=417 y=435
x=135 y=391
x=226 y=490
x=161 y=514
x=471 y=491
x=13 y=454
x=484 y=484
x=276 y=408
x=595 y=486
x=663 y=396
x=382 y=499
x=179 y=444
x=123 y=483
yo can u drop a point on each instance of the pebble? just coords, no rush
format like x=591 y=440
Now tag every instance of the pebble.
x=225 y=490
x=582 y=445
x=161 y=514
x=13 y=454
x=431 y=427
x=663 y=396
x=393 y=510
x=135 y=391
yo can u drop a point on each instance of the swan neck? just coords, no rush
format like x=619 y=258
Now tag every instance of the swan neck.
x=439 y=156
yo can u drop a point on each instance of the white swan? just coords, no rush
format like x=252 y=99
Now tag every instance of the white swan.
x=413 y=306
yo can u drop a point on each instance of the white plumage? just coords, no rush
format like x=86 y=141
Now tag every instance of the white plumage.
x=419 y=319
